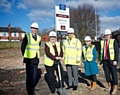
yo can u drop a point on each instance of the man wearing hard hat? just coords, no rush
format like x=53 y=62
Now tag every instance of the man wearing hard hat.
x=53 y=53
x=31 y=52
x=72 y=58
x=109 y=58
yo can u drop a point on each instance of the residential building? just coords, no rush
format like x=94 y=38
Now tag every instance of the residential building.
x=11 y=33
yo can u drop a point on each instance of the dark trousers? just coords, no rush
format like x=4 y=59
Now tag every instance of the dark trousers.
x=52 y=82
x=93 y=78
x=110 y=72
x=32 y=77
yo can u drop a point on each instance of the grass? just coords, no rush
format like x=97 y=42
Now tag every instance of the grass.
x=7 y=45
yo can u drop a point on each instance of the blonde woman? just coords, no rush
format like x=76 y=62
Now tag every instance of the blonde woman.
x=89 y=58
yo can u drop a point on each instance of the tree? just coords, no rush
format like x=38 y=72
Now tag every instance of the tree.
x=43 y=31
x=82 y=19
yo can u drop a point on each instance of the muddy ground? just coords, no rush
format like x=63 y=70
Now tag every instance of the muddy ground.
x=12 y=82
x=12 y=77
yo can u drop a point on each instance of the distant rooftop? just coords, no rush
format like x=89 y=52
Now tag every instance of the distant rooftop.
x=12 y=29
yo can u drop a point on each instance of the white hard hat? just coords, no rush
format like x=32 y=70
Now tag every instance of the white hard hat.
x=34 y=25
x=87 y=38
x=52 y=33
x=70 y=30
x=107 y=31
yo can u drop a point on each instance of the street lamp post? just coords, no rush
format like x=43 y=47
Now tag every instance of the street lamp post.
x=96 y=20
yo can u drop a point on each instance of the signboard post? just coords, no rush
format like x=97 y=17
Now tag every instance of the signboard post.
x=62 y=20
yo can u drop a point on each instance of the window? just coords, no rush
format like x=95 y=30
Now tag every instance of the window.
x=4 y=34
x=23 y=34
x=15 y=34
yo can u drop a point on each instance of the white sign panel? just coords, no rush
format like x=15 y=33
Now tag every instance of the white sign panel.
x=62 y=18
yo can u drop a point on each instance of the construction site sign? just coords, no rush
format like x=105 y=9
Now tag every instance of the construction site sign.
x=62 y=18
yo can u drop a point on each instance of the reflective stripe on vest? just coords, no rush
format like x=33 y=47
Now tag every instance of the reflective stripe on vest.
x=71 y=51
x=111 y=49
x=47 y=60
x=88 y=54
x=32 y=47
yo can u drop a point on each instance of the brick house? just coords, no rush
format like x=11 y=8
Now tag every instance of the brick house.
x=11 y=33
x=45 y=37
x=60 y=36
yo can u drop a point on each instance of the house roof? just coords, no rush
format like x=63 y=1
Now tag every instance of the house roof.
x=12 y=29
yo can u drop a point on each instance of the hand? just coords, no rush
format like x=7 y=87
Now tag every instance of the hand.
x=59 y=58
x=114 y=63
x=77 y=61
x=56 y=58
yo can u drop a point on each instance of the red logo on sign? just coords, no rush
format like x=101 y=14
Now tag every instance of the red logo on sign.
x=62 y=27
x=62 y=16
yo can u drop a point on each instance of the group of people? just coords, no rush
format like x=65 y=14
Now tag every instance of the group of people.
x=73 y=54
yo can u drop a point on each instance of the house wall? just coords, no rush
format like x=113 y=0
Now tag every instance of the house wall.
x=45 y=38
x=11 y=36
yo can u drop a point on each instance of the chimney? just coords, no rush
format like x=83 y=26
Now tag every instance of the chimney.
x=9 y=26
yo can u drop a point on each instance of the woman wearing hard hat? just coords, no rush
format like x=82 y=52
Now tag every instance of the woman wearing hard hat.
x=109 y=57
x=31 y=51
x=53 y=52
x=89 y=58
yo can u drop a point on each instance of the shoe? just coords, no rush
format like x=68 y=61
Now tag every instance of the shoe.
x=93 y=86
x=90 y=86
x=115 y=87
x=69 y=87
x=109 y=87
x=52 y=92
x=75 y=88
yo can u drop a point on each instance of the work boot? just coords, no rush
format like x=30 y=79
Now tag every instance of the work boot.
x=74 y=87
x=89 y=86
x=114 y=90
x=69 y=87
x=93 y=86
x=109 y=87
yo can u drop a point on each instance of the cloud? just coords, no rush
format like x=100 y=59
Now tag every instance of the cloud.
x=40 y=4
x=21 y=6
x=104 y=7
x=36 y=14
x=113 y=23
x=41 y=9
x=5 y=6
x=100 y=4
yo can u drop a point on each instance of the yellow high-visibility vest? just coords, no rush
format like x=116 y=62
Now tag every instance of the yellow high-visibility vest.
x=72 y=51
x=88 y=54
x=32 y=47
x=111 y=49
x=47 y=60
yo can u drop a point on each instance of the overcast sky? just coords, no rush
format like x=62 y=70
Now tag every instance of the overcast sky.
x=21 y=13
